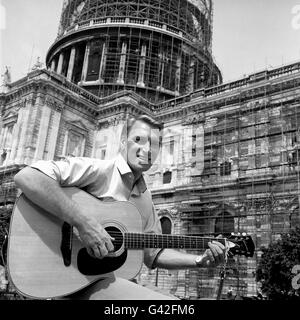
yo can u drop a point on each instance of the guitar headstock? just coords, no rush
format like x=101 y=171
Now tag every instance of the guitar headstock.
x=243 y=244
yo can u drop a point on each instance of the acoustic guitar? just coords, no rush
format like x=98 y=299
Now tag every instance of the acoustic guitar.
x=46 y=258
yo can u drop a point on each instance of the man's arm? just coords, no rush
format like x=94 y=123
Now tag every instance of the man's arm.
x=48 y=194
x=173 y=259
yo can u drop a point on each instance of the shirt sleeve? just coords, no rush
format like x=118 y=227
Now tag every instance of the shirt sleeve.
x=153 y=226
x=72 y=172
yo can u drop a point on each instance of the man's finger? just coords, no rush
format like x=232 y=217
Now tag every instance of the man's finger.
x=217 y=252
x=97 y=252
x=213 y=250
x=110 y=247
x=103 y=250
x=90 y=252
x=210 y=255
x=219 y=244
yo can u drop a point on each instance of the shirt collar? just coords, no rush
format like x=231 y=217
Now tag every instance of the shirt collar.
x=126 y=173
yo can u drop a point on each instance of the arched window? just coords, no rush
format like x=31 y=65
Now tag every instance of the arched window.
x=166 y=225
x=224 y=224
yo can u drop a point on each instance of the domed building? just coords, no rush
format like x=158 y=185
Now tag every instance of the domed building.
x=229 y=160
x=158 y=49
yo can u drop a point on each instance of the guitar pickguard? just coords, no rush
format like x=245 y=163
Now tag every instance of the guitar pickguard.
x=90 y=266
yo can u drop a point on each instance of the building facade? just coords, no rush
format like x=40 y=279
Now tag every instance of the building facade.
x=229 y=156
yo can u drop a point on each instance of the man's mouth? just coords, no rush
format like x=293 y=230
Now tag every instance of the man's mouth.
x=144 y=159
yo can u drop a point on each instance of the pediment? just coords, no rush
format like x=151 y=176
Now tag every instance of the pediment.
x=10 y=116
x=77 y=124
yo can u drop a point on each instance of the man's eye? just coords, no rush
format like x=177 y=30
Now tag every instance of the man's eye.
x=137 y=139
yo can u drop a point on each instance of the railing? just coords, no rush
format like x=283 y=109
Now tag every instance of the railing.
x=73 y=87
x=126 y=20
x=231 y=86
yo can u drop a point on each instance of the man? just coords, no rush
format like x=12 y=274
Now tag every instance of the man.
x=117 y=179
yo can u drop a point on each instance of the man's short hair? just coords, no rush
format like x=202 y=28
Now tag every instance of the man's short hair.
x=144 y=118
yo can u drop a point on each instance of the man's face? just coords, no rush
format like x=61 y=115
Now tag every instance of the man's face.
x=142 y=146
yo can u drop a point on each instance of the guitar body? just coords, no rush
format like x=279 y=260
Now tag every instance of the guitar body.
x=39 y=268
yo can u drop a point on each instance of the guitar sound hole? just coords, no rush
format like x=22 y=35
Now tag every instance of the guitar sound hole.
x=117 y=235
x=91 y=266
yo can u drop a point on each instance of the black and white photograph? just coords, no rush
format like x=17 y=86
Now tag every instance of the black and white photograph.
x=150 y=150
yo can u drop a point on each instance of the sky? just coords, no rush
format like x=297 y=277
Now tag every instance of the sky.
x=248 y=35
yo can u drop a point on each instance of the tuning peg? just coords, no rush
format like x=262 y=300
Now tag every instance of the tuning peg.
x=244 y=234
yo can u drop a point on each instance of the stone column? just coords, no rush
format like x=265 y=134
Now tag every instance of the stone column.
x=53 y=134
x=16 y=132
x=42 y=135
x=122 y=63
x=199 y=148
x=71 y=64
x=191 y=75
x=82 y=147
x=2 y=137
x=187 y=146
x=161 y=67
x=24 y=125
x=52 y=65
x=60 y=63
x=64 y=152
x=178 y=74
x=140 y=82
x=102 y=63
x=85 y=62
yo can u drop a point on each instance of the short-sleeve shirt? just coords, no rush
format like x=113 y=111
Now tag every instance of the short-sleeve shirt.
x=107 y=180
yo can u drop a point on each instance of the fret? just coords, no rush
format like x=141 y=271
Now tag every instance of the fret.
x=148 y=240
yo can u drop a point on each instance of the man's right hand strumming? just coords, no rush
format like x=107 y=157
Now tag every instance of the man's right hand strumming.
x=95 y=238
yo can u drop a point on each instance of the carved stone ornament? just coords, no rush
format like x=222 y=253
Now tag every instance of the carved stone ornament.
x=53 y=104
x=194 y=118
x=112 y=122
x=10 y=117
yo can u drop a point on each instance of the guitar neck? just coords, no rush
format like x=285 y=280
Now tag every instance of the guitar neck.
x=148 y=240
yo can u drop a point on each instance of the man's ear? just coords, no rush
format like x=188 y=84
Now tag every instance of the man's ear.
x=123 y=144
x=123 y=147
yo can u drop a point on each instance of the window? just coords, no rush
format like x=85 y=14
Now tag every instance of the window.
x=194 y=145
x=111 y=71
x=225 y=168
x=101 y=147
x=167 y=177
x=224 y=224
x=8 y=137
x=75 y=139
x=294 y=157
x=103 y=154
x=94 y=60
x=166 y=225
x=168 y=150
x=74 y=147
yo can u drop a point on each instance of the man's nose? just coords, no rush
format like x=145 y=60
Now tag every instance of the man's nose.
x=146 y=147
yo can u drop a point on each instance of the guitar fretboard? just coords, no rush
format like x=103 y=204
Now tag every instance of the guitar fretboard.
x=147 y=240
